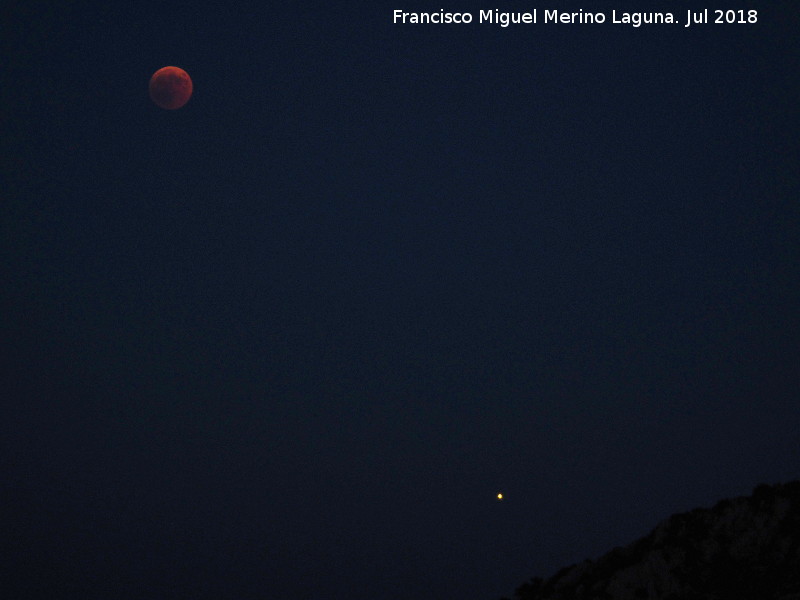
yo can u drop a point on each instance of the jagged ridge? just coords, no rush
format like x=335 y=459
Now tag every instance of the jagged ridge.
x=745 y=548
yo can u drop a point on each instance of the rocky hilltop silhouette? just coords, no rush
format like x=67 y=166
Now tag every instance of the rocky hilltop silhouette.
x=745 y=548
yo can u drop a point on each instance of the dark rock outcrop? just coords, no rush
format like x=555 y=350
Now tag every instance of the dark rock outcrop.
x=744 y=548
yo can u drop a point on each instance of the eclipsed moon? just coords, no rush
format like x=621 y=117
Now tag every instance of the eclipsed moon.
x=170 y=87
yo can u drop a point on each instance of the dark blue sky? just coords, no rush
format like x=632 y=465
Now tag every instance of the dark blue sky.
x=290 y=340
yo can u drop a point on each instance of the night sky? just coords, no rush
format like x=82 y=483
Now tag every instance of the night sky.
x=292 y=339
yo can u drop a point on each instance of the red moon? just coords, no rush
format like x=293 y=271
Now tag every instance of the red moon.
x=170 y=87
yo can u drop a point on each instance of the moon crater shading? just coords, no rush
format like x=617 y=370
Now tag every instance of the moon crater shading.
x=170 y=87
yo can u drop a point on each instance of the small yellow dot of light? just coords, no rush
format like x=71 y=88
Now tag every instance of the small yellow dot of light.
x=499 y=496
